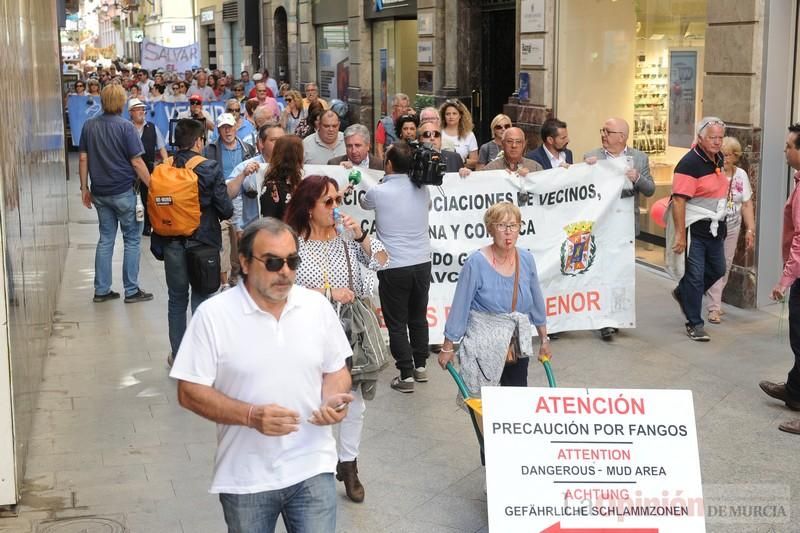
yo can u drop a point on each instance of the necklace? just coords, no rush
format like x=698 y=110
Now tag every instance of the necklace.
x=495 y=262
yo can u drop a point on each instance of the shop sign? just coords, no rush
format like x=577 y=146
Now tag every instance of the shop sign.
x=682 y=97
x=207 y=16
x=531 y=52
x=425 y=51
x=591 y=460
x=531 y=16
x=375 y=9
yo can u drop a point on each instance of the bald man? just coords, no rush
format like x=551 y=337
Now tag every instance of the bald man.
x=614 y=138
x=514 y=146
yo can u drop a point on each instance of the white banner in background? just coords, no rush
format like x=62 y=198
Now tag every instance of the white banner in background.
x=579 y=231
x=179 y=59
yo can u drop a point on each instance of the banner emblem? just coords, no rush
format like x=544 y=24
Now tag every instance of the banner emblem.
x=578 y=250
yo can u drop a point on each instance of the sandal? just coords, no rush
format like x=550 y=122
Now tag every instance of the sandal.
x=713 y=317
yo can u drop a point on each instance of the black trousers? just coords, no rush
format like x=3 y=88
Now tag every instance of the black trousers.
x=793 y=380
x=404 y=302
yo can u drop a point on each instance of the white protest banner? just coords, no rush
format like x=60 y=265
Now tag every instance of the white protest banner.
x=155 y=56
x=579 y=231
x=591 y=460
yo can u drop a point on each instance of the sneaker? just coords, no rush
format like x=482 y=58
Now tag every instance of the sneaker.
x=697 y=333
x=402 y=385
x=170 y=359
x=676 y=295
x=138 y=296
x=111 y=295
x=421 y=374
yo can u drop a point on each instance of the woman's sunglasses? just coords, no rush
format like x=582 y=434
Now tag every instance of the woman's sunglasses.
x=275 y=264
x=502 y=126
x=237 y=110
x=330 y=201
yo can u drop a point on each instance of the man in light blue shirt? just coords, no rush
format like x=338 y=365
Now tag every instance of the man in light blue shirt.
x=401 y=220
x=243 y=180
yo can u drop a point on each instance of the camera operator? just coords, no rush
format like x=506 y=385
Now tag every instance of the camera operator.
x=197 y=112
x=430 y=134
x=401 y=220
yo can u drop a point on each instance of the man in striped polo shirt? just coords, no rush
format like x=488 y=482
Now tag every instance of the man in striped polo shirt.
x=699 y=193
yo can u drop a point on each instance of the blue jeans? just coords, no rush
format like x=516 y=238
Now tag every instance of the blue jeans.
x=118 y=209
x=307 y=507
x=177 y=275
x=705 y=264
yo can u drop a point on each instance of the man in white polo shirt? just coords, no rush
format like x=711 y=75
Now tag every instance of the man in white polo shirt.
x=266 y=362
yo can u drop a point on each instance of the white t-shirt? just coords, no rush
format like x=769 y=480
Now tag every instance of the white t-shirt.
x=206 y=92
x=246 y=354
x=740 y=192
x=461 y=145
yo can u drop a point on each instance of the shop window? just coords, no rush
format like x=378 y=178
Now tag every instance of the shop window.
x=640 y=60
x=333 y=61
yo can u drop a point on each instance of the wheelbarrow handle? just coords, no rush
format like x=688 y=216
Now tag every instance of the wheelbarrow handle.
x=462 y=387
x=551 y=379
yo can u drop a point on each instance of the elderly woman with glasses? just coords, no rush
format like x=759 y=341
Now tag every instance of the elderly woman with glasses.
x=331 y=265
x=294 y=111
x=80 y=88
x=490 y=150
x=497 y=299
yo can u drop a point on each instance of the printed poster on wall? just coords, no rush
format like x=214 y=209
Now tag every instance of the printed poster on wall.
x=333 y=52
x=682 y=97
x=591 y=460
x=384 y=65
x=574 y=222
x=531 y=14
x=531 y=52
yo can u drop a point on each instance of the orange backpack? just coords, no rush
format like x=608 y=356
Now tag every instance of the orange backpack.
x=173 y=201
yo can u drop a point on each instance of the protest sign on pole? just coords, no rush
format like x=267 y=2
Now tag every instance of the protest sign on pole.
x=591 y=460
x=155 y=56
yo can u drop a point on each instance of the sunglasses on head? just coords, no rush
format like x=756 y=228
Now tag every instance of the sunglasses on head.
x=329 y=202
x=275 y=264
x=502 y=126
x=431 y=134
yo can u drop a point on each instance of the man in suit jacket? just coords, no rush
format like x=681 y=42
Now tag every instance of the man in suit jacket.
x=614 y=137
x=356 y=143
x=553 y=152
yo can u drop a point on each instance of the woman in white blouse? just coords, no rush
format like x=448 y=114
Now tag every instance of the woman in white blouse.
x=331 y=264
x=740 y=209
x=457 y=131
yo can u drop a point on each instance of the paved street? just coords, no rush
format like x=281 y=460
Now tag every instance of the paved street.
x=111 y=442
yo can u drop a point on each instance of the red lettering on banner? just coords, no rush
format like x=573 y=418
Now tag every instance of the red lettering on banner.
x=576 y=302
x=432 y=318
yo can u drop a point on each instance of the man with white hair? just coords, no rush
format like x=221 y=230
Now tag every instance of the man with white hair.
x=699 y=193
x=202 y=89
x=356 y=144
x=385 y=134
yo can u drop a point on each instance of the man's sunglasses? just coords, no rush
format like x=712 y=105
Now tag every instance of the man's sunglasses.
x=195 y=102
x=330 y=201
x=430 y=134
x=275 y=264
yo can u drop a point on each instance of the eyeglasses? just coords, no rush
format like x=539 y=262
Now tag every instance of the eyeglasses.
x=288 y=99
x=430 y=134
x=275 y=264
x=238 y=89
x=606 y=132
x=176 y=87
x=79 y=85
x=708 y=123
x=513 y=228
x=330 y=201
x=502 y=126
x=236 y=110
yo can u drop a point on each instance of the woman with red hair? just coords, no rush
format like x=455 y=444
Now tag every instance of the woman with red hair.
x=330 y=264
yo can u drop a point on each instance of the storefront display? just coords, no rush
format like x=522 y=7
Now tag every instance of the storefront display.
x=637 y=60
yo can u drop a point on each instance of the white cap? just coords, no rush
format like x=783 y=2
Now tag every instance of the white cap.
x=226 y=119
x=135 y=102
x=258 y=76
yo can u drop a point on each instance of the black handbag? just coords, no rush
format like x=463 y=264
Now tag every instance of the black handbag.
x=204 y=269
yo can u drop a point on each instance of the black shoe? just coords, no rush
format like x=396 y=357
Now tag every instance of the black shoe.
x=697 y=333
x=554 y=336
x=138 y=296
x=676 y=295
x=146 y=233
x=111 y=295
x=607 y=333
x=778 y=391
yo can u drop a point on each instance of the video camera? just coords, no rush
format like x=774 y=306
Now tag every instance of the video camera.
x=427 y=167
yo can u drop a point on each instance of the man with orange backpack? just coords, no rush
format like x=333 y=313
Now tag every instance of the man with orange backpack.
x=187 y=200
